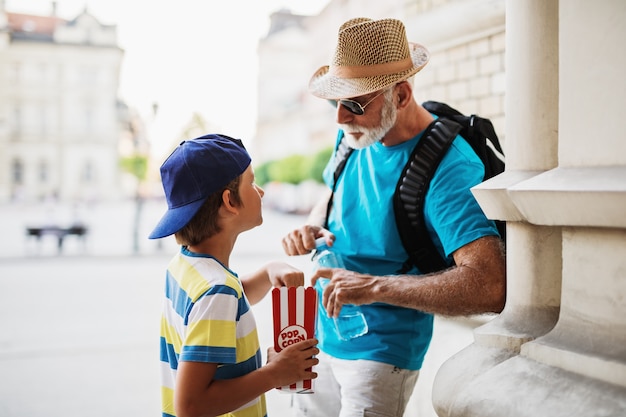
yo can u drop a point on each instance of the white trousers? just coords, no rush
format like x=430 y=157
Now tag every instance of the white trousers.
x=356 y=388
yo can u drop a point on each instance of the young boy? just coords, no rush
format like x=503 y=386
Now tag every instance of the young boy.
x=210 y=355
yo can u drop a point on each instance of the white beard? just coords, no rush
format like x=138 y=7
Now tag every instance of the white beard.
x=388 y=116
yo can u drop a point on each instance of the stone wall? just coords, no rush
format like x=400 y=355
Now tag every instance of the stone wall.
x=469 y=76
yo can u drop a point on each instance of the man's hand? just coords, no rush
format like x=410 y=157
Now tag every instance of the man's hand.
x=344 y=287
x=302 y=240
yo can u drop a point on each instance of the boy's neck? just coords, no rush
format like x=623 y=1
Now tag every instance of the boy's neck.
x=219 y=246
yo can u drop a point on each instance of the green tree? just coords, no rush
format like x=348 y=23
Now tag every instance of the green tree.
x=137 y=165
x=317 y=164
x=294 y=169
x=261 y=173
x=291 y=169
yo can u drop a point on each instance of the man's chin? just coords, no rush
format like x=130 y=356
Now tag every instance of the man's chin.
x=359 y=142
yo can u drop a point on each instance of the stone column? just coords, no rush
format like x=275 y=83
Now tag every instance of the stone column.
x=559 y=347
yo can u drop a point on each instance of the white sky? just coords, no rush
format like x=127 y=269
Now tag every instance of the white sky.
x=164 y=40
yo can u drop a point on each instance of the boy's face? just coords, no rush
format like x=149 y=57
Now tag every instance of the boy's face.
x=251 y=195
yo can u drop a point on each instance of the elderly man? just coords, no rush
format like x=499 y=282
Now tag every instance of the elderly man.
x=369 y=81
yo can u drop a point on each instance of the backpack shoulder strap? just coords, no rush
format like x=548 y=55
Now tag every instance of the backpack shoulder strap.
x=342 y=153
x=409 y=197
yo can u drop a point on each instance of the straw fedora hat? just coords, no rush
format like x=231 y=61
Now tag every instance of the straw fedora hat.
x=370 y=55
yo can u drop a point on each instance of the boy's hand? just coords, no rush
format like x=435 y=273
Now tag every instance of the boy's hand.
x=282 y=274
x=294 y=363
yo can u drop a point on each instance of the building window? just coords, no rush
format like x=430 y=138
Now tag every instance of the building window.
x=17 y=122
x=43 y=172
x=43 y=120
x=16 y=70
x=17 y=168
x=88 y=119
x=88 y=173
x=88 y=76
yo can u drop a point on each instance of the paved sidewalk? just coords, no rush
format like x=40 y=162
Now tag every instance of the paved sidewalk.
x=80 y=330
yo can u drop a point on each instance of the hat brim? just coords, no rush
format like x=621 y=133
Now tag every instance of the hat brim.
x=175 y=219
x=325 y=85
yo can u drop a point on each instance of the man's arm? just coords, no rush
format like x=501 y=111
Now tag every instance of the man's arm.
x=475 y=285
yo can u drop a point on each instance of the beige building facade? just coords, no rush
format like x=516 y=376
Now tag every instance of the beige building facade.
x=59 y=113
x=466 y=70
x=549 y=74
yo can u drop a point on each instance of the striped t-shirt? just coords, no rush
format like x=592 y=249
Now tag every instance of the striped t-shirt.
x=207 y=318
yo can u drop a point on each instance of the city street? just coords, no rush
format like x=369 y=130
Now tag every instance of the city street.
x=80 y=329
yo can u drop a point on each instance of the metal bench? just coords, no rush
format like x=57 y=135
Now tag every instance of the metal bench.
x=79 y=230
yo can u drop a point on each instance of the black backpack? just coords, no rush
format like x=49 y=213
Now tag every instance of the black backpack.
x=415 y=177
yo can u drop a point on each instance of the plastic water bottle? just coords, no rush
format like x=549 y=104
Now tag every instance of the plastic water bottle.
x=351 y=322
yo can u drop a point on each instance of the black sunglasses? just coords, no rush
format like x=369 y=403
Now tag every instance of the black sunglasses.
x=353 y=106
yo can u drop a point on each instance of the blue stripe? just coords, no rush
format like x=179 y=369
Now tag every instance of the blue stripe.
x=182 y=303
x=221 y=289
x=215 y=354
x=239 y=369
x=168 y=354
x=179 y=297
x=242 y=307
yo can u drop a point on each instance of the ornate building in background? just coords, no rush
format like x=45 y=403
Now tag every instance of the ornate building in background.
x=60 y=119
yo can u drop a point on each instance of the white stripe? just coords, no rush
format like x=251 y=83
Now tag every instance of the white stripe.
x=172 y=318
x=284 y=311
x=284 y=317
x=214 y=307
x=300 y=306
x=168 y=375
x=497 y=153
x=246 y=325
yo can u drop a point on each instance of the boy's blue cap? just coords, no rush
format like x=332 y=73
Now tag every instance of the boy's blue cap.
x=196 y=169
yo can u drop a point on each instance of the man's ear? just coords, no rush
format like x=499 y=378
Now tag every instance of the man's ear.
x=405 y=93
x=227 y=202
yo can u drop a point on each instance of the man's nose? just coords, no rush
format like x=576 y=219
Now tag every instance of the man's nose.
x=344 y=116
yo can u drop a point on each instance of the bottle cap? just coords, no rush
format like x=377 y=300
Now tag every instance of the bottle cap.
x=320 y=241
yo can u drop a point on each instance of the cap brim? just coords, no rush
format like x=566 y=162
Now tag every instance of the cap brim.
x=175 y=219
x=325 y=85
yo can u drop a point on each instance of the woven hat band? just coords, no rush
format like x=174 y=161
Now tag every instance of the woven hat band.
x=362 y=71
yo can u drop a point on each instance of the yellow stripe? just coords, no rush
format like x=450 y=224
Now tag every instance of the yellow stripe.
x=211 y=333
x=167 y=400
x=188 y=278
x=234 y=283
x=247 y=346
x=194 y=283
x=171 y=335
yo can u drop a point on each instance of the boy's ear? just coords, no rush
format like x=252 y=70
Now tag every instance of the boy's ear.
x=228 y=203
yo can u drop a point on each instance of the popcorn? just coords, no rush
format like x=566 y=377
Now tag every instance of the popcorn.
x=295 y=317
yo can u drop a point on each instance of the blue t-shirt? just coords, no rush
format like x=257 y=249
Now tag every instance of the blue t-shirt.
x=362 y=219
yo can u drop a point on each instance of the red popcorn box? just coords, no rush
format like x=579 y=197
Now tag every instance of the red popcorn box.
x=295 y=316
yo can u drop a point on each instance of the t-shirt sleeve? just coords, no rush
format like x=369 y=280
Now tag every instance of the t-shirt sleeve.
x=453 y=216
x=212 y=327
